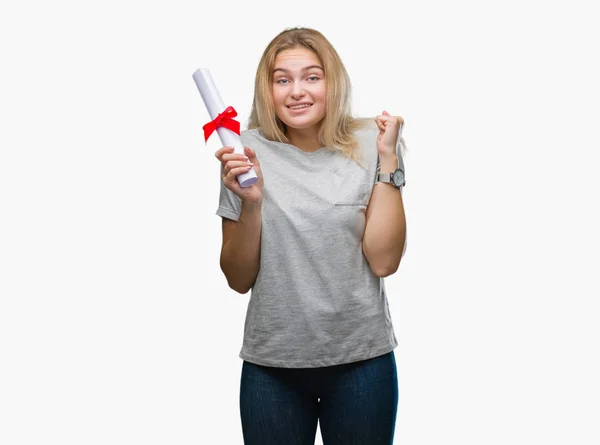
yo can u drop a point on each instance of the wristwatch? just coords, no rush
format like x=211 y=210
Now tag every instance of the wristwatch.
x=395 y=178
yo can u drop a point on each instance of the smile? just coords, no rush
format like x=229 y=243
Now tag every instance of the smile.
x=299 y=107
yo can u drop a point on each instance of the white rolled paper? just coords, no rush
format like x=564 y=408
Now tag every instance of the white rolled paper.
x=214 y=105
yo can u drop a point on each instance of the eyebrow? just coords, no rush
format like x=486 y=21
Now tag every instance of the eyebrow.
x=303 y=69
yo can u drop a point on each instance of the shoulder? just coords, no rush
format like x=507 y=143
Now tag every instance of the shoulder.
x=253 y=138
x=250 y=134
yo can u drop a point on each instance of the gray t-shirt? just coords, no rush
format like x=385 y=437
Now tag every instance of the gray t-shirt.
x=315 y=301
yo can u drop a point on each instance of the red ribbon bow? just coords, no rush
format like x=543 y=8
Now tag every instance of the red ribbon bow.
x=224 y=119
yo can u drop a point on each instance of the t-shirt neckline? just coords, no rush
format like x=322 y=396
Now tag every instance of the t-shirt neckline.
x=299 y=150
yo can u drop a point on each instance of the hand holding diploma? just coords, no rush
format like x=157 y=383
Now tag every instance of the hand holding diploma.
x=236 y=164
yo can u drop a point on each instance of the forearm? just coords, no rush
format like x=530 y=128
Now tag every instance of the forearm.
x=385 y=231
x=240 y=259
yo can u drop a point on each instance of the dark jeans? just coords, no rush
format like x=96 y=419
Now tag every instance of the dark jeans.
x=357 y=406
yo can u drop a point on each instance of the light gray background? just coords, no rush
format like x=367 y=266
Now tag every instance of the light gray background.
x=116 y=323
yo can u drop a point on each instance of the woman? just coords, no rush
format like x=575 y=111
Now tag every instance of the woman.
x=313 y=239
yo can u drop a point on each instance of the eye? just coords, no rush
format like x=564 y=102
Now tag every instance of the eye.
x=281 y=81
x=313 y=78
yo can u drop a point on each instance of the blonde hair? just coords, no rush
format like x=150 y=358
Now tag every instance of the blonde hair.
x=338 y=126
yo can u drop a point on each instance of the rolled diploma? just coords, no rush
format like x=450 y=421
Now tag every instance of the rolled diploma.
x=214 y=105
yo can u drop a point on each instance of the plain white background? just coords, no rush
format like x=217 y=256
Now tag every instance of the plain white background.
x=116 y=323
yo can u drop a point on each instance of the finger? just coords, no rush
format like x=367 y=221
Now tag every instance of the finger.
x=389 y=120
x=237 y=164
x=234 y=157
x=250 y=153
x=221 y=151
x=231 y=165
x=227 y=149
x=239 y=170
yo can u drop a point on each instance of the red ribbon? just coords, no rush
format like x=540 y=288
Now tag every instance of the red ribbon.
x=224 y=119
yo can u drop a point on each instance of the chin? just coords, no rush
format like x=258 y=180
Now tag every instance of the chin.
x=301 y=126
x=302 y=122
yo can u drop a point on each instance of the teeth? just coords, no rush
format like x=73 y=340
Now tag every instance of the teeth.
x=299 y=106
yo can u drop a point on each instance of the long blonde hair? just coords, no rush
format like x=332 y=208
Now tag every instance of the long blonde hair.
x=338 y=126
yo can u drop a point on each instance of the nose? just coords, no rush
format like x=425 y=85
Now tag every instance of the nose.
x=297 y=91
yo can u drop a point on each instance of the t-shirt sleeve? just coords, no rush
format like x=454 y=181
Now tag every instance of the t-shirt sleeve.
x=230 y=204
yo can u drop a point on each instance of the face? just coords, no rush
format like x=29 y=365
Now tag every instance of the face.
x=299 y=88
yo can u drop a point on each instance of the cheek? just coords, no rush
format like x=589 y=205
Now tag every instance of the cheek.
x=277 y=97
x=322 y=95
x=322 y=99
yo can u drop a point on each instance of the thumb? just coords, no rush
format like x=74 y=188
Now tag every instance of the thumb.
x=250 y=153
x=385 y=113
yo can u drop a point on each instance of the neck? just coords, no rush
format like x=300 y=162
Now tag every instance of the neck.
x=306 y=139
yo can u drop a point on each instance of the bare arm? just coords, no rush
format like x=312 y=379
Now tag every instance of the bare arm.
x=385 y=230
x=240 y=252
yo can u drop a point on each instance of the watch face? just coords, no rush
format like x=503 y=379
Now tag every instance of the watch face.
x=399 y=177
